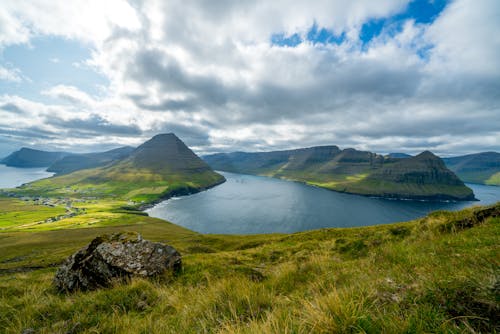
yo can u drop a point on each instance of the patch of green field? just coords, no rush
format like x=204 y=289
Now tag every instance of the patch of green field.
x=15 y=212
x=493 y=180
x=438 y=274
x=141 y=185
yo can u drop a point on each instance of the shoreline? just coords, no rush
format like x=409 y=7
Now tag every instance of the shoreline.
x=178 y=192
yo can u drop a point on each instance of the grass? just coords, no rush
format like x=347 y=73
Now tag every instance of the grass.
x=493 y=180
x=363 y=185
x=438 y=274
x=139 y=185
x=15 y=212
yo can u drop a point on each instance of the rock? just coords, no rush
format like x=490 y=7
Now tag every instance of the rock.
x=28 y=331
x=115 y=257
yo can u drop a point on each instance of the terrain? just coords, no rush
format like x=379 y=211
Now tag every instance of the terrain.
x=420 y=177
x=436 y=274
x=481 y=168
x=74 y=162
x=158 y=169
x=27 y=158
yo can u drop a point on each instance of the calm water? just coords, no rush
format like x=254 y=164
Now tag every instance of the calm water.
x=248 y=204
x=11 y=177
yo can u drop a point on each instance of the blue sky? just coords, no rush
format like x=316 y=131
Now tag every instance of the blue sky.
x=48 y=61
x=385 y=76
x=421 y=11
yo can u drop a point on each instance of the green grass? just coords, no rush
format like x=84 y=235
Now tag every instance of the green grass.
x=15 y=213
x=361 y=184
x=493 y=180
x=438 y=274
x=139 y=185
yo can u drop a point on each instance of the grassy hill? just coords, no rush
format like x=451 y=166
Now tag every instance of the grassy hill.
x=161 y=167
x=27 y=157
x=481 y=168
x=420 y=177
x=437 y=274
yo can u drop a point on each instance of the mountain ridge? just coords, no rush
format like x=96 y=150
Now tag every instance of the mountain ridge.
x=159 y=168
x=28 y=158
x=359 y=172
x=74 y=162
x=482 y=168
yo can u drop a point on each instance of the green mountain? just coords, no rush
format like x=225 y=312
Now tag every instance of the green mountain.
x=421 y=177
x=27 y=157
x=74 y=162
x=398 y=155
x=160 y=168
x=476 y=168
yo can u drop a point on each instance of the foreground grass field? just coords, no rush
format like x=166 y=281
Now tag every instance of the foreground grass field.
x=438 y=274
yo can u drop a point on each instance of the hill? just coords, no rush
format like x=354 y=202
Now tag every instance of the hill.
x=349 y=170
x=481 y=168
x=74 y=162
x=27 y=158
x=398 y=155
x=438 y=274
x=159 y=168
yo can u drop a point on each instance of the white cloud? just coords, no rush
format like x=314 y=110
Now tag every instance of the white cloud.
x=208 y=70
x=10 y=74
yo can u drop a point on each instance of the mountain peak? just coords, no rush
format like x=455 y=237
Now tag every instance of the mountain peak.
x=166 y=153
x=427 y=155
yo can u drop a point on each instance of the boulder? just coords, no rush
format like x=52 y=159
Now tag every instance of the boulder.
x=115 y=257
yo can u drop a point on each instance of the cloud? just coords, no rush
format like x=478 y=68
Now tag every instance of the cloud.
x=69 y=94
x=93 y=125
x=9 y=74
x=210 y=73
x=13 y=108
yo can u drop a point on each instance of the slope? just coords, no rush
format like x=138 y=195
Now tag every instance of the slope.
x=476 y=168
x=27 y=157
x=438 y=274
x=161 y=167
x=353 y=171
x=74 y=162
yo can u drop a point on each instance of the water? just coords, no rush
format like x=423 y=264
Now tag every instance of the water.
x=248 y=204
x=11 y=177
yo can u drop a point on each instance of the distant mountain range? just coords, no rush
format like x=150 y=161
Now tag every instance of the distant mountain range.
x=482 y=168
x=476 y=168
x=159 y=168
x=74 y=162
x=348 y=170
x=424 y=176
x=27 y=158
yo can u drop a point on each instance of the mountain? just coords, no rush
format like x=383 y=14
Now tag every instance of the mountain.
x=74 y=162
x=27 y=157
x=398 y=155
x=159 y=168
x=421 y=177
x=476 y=168
x=164 y=154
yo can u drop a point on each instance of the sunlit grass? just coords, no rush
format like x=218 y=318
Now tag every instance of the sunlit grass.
x=437 y=274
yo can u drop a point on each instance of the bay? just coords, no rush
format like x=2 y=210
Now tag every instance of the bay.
x=247 y=204
x=11 y=177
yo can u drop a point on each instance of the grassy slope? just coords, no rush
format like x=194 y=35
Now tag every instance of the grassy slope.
x=494 y=180
x=138 y=185
x=436 y=274
x=359 y=183
x=349 y=176
x=482 y=168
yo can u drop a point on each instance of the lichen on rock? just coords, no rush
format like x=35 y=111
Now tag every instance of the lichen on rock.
x=115 y=257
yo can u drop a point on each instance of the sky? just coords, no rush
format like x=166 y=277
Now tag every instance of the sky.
x=251 y=75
